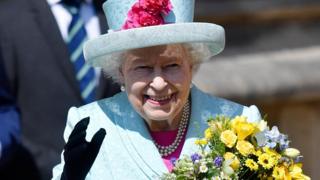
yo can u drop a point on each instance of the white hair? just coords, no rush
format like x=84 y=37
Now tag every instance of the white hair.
x=199 y=52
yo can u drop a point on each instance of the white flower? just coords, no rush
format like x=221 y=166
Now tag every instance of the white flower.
x=225 y=176
x=203 y=168
x=262 y=125
x=226 y=168
x=216 y=178
x=292 y=152
x=261 y=138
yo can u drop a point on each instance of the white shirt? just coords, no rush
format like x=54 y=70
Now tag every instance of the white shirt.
x=87 y=12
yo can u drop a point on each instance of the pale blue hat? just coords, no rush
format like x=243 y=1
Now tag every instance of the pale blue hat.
x=178 y=28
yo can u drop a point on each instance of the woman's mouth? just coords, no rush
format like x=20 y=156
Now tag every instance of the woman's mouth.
x=159 y=100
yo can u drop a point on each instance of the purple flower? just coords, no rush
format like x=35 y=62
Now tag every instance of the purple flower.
x=273 y=134
x=284 y=142
x=272 y=138
x=270 y=143
x=218 y=161
x=173 y=161
x=298 y=159
x=195 y=157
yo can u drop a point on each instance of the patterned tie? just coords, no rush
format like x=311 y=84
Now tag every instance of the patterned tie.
x=84 y=73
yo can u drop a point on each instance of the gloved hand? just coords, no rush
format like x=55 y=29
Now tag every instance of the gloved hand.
x=79 y=154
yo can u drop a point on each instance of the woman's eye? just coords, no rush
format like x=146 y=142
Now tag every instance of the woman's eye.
x=142 y=67
x=172 y=65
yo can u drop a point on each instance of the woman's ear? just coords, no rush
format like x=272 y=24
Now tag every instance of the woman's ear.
x=121 y=75
x=192 y=65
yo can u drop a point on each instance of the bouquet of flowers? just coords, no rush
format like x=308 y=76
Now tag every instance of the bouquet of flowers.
x=239 y=149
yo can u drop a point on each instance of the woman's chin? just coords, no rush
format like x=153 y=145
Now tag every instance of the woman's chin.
x=158 y=116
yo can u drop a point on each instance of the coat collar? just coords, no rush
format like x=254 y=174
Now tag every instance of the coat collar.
x=138 y=141
x=203 y=107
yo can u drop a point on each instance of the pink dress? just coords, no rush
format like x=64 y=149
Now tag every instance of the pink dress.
x=165 y=138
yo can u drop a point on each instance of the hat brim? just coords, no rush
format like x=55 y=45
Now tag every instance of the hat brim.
x=98 y=50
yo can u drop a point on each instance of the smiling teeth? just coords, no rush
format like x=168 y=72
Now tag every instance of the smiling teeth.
x=160 y=98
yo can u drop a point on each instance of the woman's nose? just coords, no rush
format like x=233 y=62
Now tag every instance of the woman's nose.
x=158 y=83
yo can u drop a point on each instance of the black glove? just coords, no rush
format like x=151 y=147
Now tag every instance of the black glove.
x=79 y=154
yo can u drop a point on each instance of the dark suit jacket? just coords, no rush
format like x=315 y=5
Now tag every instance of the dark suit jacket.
x=9 y=119
x=41 y=76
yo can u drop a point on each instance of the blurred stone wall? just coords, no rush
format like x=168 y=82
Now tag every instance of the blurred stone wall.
x=271 y=59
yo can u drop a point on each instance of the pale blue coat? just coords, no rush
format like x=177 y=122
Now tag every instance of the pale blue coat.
x=127 y=151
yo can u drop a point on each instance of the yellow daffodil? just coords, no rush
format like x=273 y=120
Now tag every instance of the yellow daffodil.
x=281 y=173
x=266 y=161
x=296 y=172
x=229 y=138
x=201 y=142
x=235 y=163
x=251 y=164
x=244 y=129
x=208 y=134
x=238 y=119
x=245 y=147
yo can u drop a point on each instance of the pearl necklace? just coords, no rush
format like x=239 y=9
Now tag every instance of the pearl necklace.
x=166 y=150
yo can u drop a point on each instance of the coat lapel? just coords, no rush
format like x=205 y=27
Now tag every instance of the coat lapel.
x=51 y=33
x=204 y=106
x=197 y=123
x=139 y=143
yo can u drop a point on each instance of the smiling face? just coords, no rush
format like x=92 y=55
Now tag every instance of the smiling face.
x=157 y=81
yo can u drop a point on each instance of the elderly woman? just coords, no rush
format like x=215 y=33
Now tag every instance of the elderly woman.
x=159 y=114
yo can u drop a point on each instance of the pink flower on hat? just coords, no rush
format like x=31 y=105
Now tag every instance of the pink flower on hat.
x=156 y=6
x=138 y=17
x=147 y=13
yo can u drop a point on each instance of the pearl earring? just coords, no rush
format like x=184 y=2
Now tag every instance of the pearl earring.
x=122 y=88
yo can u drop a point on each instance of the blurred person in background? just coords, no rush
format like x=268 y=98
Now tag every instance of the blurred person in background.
x=42 y=60
x=15 y=161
